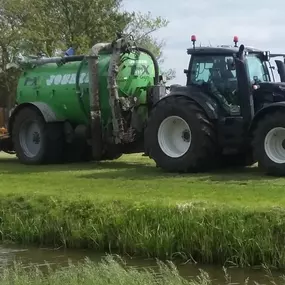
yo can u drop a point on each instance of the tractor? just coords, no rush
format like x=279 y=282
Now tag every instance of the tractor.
x=230 y=112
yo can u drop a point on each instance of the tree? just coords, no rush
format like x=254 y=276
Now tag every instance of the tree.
x=12 y=14
x=31 y=26
x=141 y=27
x=55 y=24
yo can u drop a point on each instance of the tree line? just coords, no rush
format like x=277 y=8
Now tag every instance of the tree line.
x=30 y=27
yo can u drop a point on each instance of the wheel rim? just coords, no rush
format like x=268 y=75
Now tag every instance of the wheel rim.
x=274 y=145
x=30 y=139
x=174 y=136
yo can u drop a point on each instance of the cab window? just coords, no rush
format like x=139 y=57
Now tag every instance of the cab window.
x=216 y=75
x=257 y=69
x=203 y=68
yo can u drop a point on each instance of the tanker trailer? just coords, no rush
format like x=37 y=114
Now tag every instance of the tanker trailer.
x=84 y=107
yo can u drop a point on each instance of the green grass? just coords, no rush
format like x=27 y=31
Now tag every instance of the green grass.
x=130 y=206
x=135 y=178
x=110 y=271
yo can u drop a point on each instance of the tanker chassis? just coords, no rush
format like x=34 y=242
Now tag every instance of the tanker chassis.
x=86 y=107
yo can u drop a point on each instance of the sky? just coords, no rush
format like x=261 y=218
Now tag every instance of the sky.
x=257 y=23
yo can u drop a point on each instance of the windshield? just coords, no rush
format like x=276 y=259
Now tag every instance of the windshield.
x=205 y=67
x=257 y=69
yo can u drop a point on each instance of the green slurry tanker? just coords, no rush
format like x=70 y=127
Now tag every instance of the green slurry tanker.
x=87 y=107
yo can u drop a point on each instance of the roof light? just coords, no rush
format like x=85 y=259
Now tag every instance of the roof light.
x=193 y=39
x=235 y=40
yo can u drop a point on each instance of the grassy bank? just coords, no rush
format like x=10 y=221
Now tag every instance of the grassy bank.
x=111 y=271
x=129 y=206
x=203 y=233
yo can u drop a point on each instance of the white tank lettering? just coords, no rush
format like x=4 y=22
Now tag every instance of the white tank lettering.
x=137 y=62
x=50 y=80
x=65 y=79
x=72 y=79
x=58 y=79
x=82 y=77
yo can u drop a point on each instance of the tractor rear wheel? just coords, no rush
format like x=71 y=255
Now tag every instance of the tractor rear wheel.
x=179 y=136
x=35 y=141
x=269 y=143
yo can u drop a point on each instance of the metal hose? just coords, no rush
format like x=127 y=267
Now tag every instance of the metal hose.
x=156 y=68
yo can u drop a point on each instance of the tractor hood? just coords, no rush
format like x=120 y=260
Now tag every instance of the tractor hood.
x=271 y=87
x=269 y=92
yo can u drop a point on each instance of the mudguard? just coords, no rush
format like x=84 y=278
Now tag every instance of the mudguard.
x=203 y=100
x=48 y=114
x=265 y=110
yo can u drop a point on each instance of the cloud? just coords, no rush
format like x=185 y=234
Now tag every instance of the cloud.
x=258 y=23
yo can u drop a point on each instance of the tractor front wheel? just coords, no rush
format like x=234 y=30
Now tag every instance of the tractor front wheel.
x=35 y=141
x=179 y=136
x=269 y=143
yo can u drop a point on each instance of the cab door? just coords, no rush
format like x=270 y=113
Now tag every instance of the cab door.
x=244 y=87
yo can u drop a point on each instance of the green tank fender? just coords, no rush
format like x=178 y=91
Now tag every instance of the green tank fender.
x=46 y=111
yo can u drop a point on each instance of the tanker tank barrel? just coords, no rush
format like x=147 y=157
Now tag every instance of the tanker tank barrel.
x=40 y=61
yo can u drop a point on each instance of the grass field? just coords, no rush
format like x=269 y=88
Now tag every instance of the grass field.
x=130 y=206
x=135 y=178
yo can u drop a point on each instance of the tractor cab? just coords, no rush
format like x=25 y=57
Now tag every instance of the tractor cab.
x=228 y=74
x=237 y=82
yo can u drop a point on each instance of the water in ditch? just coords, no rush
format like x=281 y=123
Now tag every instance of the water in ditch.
x=59 y=258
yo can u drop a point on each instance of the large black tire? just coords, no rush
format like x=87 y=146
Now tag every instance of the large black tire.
x=266 y=149
x=200 y=155
x=45 y=140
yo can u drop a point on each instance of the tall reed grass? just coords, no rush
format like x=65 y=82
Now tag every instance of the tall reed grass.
x=111 y=271
x=203 y=233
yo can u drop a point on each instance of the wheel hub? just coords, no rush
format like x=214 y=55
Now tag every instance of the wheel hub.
x=30 y=138
x=274 y=145
x=174 y=136
x=186 y=136
x=36 y=138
